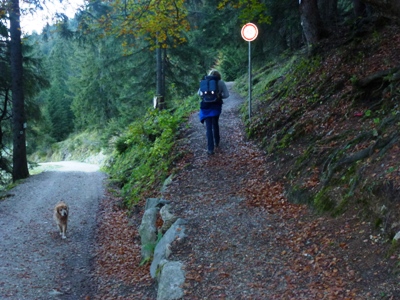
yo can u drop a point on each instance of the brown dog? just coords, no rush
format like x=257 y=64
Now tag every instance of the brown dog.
x=61 y=217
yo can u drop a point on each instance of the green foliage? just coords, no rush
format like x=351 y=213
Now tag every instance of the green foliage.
x=233 y=62
x=147 y=260
x=253 y=10
x=157 y=22
x=144 y=153
x=183 y=106
x=97 y=87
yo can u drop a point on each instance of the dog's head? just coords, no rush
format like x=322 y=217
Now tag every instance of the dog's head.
x=62 y=209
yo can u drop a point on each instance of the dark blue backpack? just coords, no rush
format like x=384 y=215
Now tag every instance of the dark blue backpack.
x=209 y=88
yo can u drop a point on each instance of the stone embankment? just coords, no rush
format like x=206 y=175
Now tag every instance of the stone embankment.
x=156 y=246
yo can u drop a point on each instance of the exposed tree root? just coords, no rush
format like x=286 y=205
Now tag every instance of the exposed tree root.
x=382 y=144
x=380 y=76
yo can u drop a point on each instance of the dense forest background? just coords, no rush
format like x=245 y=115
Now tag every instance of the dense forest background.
x=87 y=87
x=98 y=72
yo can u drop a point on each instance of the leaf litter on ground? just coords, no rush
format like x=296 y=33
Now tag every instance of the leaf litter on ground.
x=245 y=239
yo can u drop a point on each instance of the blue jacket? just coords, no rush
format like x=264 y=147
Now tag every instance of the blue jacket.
x=208 y=110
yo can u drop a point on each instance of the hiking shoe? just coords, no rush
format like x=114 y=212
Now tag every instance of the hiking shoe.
x=210 y=152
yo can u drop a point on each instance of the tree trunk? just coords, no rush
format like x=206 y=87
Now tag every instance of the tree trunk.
x=311 y=21
x=160 y=85
x=159 y=71
x=20 y=164
x=390 y=8
x=164 y=67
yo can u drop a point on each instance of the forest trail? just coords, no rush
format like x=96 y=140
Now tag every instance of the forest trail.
x=244 y=239
x=35 y=263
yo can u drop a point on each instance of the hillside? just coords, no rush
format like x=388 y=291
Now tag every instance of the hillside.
x=330 y=126
x=245 y=239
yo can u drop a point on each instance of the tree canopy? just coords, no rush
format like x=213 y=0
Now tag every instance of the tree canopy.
x=101 y=69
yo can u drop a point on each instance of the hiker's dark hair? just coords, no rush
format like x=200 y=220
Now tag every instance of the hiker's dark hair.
x=215 y=73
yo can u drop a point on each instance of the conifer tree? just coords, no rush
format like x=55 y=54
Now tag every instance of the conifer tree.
x=20 y=163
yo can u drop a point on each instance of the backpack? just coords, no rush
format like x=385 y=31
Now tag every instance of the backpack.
x=209 y=88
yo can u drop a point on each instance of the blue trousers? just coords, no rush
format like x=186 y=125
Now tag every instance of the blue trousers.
x=212 y=133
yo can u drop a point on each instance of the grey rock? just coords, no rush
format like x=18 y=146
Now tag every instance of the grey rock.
x=155 y=202
x=151 y=203
x=176 y=231
x=166 y=183
x=148 y=232
x=171 y=280
x=55 y=293
x=167 y=217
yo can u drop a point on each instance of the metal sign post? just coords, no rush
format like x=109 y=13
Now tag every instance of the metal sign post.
x=250 y=80
x=249 y=33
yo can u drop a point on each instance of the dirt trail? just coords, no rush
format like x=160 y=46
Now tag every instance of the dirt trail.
x=246 y=241
x=230 y=252
x=35 y=263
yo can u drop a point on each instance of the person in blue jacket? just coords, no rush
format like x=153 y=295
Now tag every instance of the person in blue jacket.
x=210 y=112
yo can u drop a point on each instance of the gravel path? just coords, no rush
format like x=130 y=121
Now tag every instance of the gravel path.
x=35 y=263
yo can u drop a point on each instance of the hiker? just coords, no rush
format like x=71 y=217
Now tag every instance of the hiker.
x=210 y=111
